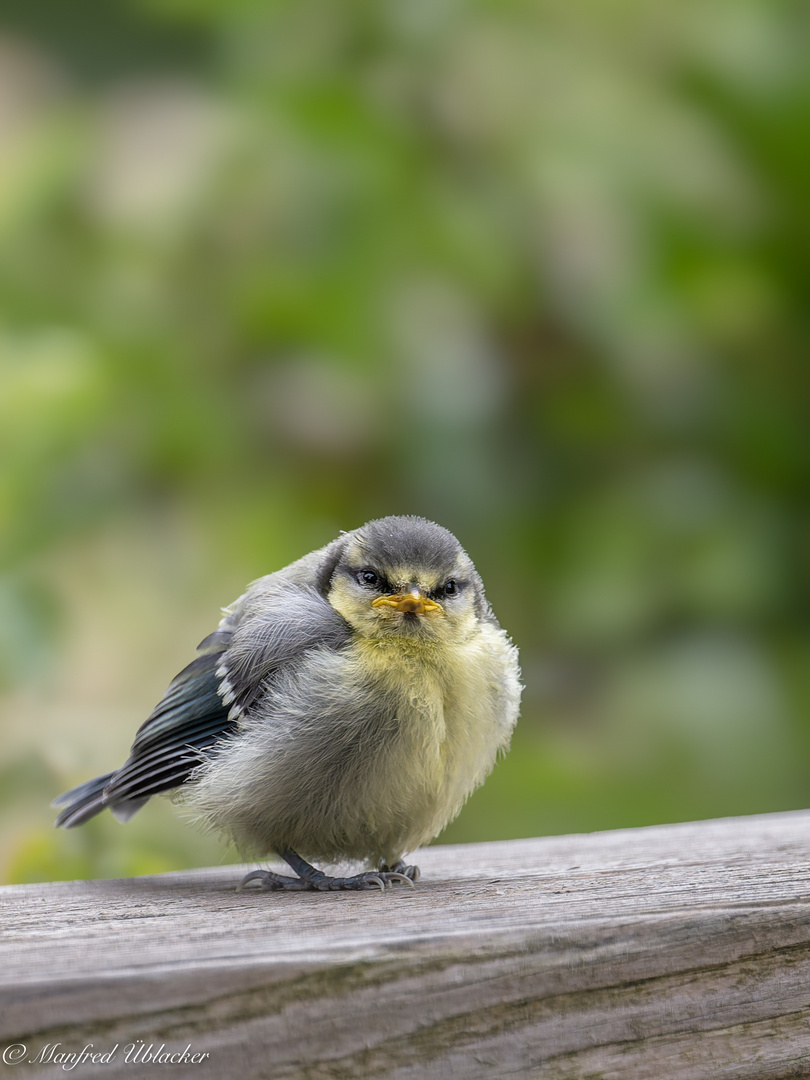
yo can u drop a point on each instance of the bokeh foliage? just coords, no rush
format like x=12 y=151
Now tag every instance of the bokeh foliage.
x=537 y=270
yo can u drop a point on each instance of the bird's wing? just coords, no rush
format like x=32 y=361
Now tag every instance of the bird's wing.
x=189 y=719
x=273 y=624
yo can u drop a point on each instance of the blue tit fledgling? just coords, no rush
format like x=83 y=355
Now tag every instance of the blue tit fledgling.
x=345 y=708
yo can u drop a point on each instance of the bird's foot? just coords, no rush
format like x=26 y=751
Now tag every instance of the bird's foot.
x=310 y=878
x=372 y=879
x=270 y=882
x=412 y=873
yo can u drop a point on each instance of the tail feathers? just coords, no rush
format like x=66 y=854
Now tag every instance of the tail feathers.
x=85 y=801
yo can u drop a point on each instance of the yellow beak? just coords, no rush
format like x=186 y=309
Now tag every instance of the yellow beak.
x=409 y=600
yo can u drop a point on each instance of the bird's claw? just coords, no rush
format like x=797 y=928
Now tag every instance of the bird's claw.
x=412 y=873
x=373 y=879
x=270 y=882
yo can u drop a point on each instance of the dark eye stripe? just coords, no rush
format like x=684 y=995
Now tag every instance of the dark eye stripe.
x=370 y=578
x=450 y=587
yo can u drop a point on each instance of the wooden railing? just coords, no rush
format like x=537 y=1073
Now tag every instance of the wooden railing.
x=670 y=953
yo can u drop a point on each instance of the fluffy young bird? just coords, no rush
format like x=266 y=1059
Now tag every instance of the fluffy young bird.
x=345 y=708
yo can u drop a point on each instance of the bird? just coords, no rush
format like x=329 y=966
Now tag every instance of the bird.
x=343 y=711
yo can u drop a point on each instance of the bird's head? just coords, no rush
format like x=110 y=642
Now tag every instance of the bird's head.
x=405 y=577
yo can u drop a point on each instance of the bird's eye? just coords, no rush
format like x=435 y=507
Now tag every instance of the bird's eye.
x=450 y=587
x=369 y=578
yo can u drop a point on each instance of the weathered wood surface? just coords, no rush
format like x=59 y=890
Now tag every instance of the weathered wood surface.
x=670 y=953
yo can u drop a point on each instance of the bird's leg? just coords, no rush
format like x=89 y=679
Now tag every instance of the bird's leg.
x=399 y=867
x=309 y=877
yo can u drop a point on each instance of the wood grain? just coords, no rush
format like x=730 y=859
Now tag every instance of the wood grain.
x=670 y=953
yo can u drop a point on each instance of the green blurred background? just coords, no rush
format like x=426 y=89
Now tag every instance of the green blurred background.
x=537 y=270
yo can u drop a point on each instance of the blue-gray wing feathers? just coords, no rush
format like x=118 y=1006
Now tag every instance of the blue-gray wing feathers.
x=271 y=626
